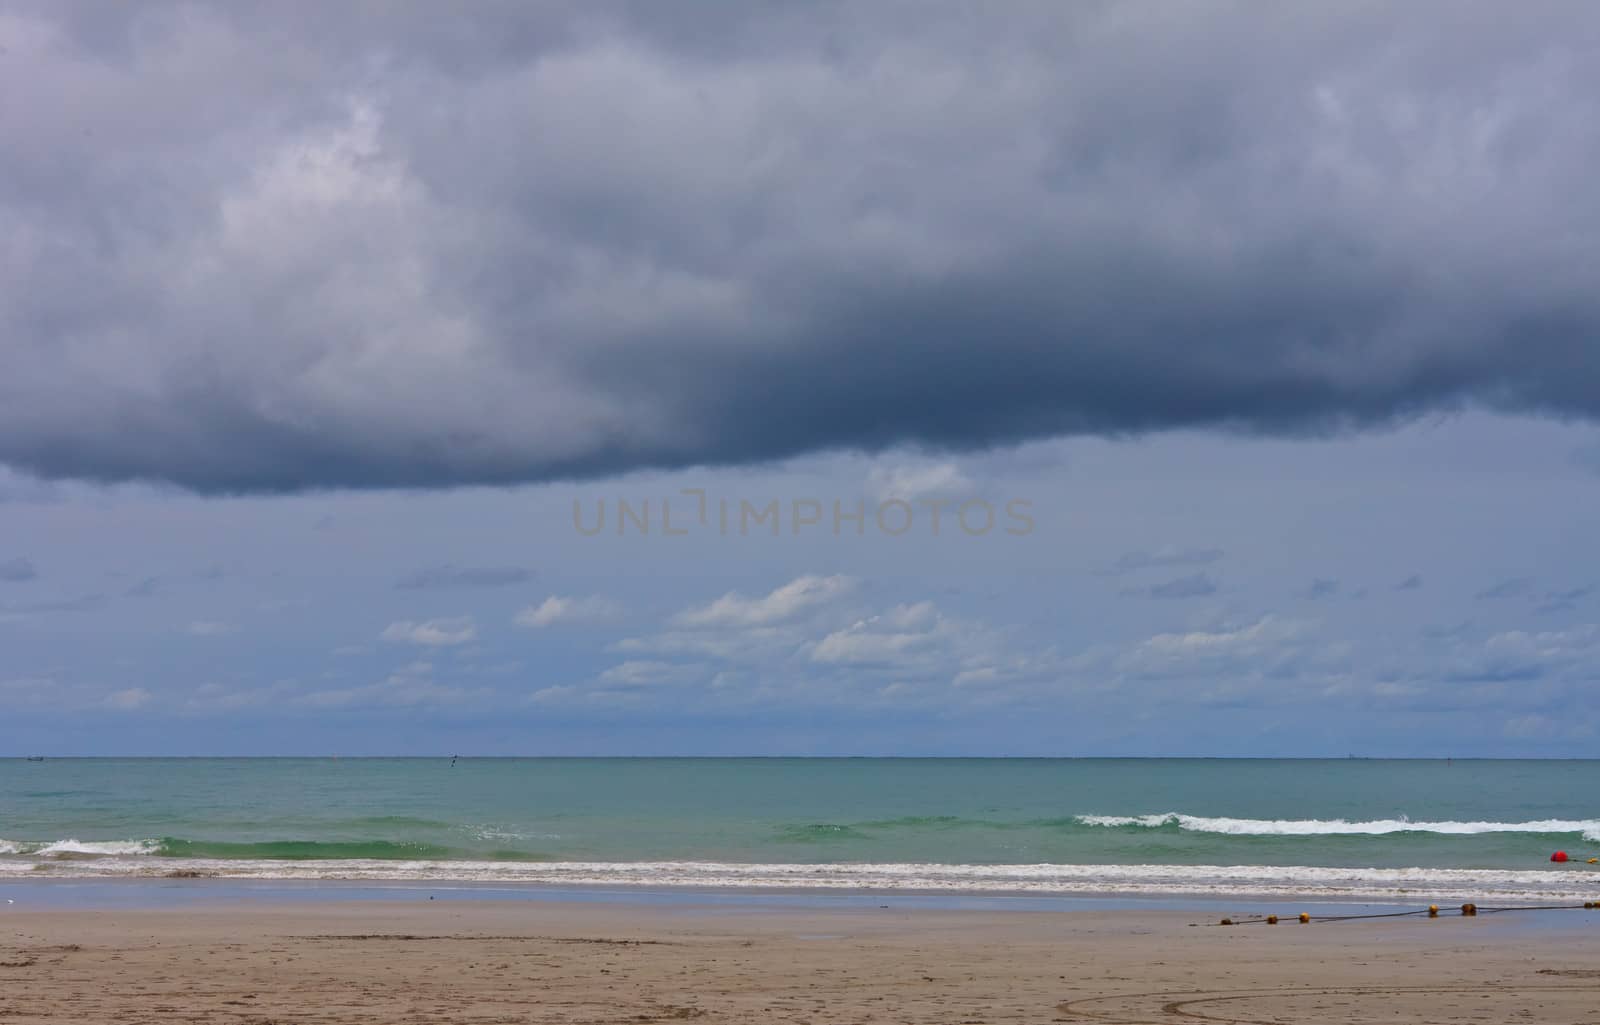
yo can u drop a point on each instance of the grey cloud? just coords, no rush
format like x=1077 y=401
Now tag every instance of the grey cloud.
x=1519 y=656
x=17 y=570
x=1194 y=586
x=1411 y=583
x=280 y=247
x=447 y=577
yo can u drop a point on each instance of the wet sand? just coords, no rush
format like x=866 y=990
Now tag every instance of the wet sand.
x=256 y=963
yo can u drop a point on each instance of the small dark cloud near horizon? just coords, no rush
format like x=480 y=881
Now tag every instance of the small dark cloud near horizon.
x=1587 y=457
x=1321 y=588
x=1515 y=673
x=1166 y=557
x=1563 y=601
x=1411 y=583
x=145 y=588
x=438 y=578
x=572 y=243
x=18 y=570
x=81 y=603
x=1515 y=587
x=1196 y=585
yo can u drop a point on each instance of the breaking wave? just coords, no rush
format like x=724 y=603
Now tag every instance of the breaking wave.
x=1588 y=829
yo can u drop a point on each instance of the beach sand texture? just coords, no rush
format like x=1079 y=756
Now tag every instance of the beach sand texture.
x=482 y=963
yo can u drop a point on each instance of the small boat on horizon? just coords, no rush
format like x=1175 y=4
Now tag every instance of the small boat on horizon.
x=36 y=758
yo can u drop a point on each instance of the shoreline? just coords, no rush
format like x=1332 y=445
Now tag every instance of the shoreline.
x=1303 y=883
x=157 y=894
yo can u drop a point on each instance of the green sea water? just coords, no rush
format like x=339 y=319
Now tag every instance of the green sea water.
x=1210 y=825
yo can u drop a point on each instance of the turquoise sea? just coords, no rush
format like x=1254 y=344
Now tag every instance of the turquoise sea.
x=1342 y=828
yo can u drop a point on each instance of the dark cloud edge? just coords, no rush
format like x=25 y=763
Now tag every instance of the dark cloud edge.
x=287 y=466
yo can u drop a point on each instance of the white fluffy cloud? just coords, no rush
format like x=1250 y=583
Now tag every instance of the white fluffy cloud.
x=1248 y=648
x=129 y=699
x=918 y=482
x=410 y=685
x=818 y=641
x=432 y=632
x=893 y=637
x=577 y=611
x=800 y=595
x=1514 y=655
x=644 y=672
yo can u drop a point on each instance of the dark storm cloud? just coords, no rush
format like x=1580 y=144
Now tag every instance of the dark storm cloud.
x=274 y=247
x=448 y=577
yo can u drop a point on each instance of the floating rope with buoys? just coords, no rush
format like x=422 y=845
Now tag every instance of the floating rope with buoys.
x=1468 y=910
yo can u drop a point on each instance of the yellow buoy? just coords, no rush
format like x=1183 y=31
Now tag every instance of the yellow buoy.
x=1272 y=919
x=1304 y=918
x=1433 y=911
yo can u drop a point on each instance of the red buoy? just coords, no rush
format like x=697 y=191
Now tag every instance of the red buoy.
x=1559 y=856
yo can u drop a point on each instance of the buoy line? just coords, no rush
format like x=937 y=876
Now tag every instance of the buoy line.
x=1467 y=910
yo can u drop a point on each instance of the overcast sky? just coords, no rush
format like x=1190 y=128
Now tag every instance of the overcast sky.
x=1027 y=379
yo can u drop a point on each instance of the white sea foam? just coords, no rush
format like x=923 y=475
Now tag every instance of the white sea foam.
x=1589 y=829
x=489 y=833
x=103 y=848
x=1573 y=882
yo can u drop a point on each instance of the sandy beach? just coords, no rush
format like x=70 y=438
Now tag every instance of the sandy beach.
x=256 y=963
